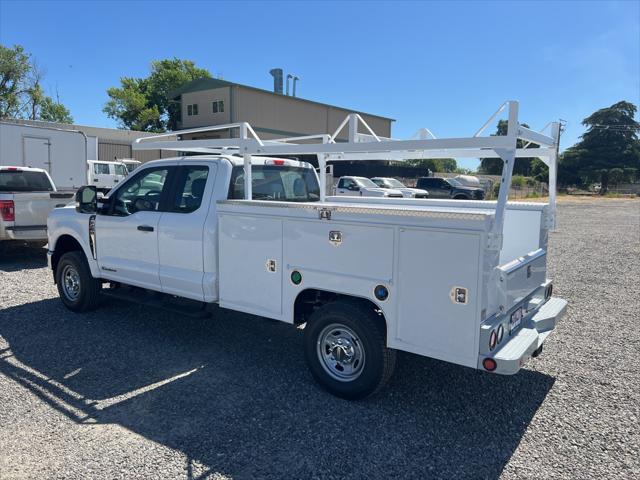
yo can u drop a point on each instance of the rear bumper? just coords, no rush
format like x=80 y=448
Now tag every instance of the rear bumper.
x=26 y=233
x=528 y=339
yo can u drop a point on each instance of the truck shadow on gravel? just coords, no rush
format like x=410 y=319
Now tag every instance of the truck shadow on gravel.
x=234 y=395
x=15 y=258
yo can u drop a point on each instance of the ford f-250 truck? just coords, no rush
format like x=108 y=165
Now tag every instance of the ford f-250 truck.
x=27 y=195
x=460 y=281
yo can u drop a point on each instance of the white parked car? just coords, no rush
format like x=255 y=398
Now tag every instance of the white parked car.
x=106 y=175
x=394 y=184
x=363 y=187
x=27 y=195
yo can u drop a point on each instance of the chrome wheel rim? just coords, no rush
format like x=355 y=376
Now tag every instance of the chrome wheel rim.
x=340 y=352
x=71 y=282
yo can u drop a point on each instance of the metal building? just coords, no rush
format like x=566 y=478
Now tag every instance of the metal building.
x=210 y=101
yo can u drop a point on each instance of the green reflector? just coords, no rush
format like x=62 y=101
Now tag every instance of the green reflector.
x=296 y=277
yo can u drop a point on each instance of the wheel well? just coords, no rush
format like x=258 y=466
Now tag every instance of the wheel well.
x=311 y=299
x=65 y=244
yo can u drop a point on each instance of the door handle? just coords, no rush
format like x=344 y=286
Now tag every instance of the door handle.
x=145 y=228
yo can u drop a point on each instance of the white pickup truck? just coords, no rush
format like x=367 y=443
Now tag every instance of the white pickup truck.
x=460 y=281
x=363 y=187
x=27 y=195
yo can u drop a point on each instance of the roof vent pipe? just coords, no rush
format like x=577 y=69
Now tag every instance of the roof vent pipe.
x=295 y=79
x=289 y=77
x=277 y=79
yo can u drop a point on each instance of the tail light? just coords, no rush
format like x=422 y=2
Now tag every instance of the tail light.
x=7 y=210
x=489 y=364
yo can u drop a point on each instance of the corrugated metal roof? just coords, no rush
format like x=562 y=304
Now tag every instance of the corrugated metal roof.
x=201 y=84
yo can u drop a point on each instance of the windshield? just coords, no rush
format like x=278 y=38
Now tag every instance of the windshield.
x=364 y=182
x=453 y=182
x=392 y=182
x=121 y=170
x=20 y=181
x=273 y=182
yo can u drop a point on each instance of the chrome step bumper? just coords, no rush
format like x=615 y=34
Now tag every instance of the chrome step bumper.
x=515 y=353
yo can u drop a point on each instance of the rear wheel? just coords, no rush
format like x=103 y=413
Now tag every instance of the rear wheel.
x=78 y=290
x=346 y=351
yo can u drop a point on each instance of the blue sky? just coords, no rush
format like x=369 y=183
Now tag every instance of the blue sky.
x=446 y=66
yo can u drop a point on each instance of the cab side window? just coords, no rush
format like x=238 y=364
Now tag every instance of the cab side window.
x=141 y=193
x=101 y=168
x=190 y=189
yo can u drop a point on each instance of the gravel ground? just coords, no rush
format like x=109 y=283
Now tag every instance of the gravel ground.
x=129 y=392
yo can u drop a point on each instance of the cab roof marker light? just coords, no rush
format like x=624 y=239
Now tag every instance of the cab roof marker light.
x=275 y=161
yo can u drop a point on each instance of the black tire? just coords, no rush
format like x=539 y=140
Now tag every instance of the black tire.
x=87 y=295
x=378 y=361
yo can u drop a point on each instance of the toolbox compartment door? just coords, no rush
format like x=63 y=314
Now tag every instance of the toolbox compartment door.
x=250 y=253
x=432 y=264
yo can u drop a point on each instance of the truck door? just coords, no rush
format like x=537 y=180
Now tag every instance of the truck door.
x=347 y=187
x=101 y=176
x=127 y=234
x=181 y=231
x=36 y=153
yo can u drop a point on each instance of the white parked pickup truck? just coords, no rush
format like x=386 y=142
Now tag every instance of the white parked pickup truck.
x=105 y=175
x=460 y=281
x=27 y=195
x=395 y=184
x=363 y=187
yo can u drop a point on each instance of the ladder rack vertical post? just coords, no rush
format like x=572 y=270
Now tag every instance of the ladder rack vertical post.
x=508 y=156
x=322 y=163
x=248 y=181
x=553 y=173
x=353 y=127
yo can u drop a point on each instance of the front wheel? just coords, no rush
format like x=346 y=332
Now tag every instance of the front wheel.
x=346 y=351
x=78 y=290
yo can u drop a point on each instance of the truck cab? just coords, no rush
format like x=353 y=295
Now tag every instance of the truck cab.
x=106 y=175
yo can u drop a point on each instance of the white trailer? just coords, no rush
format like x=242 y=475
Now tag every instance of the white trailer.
x=61 y=153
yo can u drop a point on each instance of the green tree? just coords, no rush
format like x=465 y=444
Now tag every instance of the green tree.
x=21 y=93
x=144 y=103
x=616 y=175
x=447 y=165
x=611 y=141
x=523 y=166
x=630 y=174
x=53 y=111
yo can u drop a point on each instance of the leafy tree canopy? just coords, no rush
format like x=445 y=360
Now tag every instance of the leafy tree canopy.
x=144 y=103
x=523 y=166
x=448 y=165
x=21 y=93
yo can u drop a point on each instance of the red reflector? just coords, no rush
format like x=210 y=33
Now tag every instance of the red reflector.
x=7 y=210
x=489 y=364
x=278 y=162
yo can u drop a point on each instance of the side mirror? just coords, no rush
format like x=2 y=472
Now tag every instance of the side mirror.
x=87 y=200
